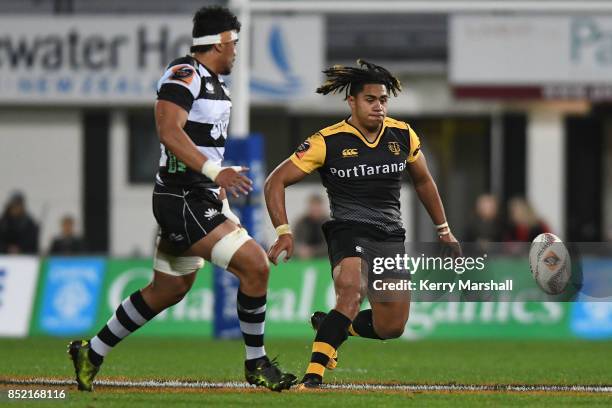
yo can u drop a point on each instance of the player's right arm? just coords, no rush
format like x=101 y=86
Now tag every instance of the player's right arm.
x=309 y=156
x=170 y=119
x=177 y=90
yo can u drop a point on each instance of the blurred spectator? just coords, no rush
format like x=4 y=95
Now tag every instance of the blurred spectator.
x=309 y=239
x=524 y=224
x=18 y=231
x=67 y=243
x=485 y=227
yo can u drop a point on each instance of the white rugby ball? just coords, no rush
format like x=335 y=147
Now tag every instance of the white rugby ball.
x=550 y=263
x=281 y=257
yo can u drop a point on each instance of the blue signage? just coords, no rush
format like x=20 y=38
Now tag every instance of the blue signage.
x=250 y=153
x=591 y=315
x=71 y=295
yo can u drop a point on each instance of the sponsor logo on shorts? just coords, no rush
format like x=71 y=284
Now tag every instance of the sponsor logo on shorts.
x=350 y=153
x=175 y=237
x=211 y=213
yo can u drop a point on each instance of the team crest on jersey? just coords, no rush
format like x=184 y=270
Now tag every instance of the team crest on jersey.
x=183 y=74
x=210 y=88
x=394 y=147
x=302 y=149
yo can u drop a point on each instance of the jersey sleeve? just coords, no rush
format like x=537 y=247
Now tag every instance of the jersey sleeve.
x=415 y=146
x=310 y=155
x=180 y=84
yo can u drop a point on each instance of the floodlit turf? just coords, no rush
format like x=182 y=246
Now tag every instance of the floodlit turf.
x=424 y=362
x=319 y=399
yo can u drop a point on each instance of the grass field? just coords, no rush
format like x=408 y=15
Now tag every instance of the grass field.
x=361 y=361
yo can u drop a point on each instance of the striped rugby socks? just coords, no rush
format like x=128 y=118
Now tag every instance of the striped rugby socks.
x=131 y=314
x=252 y=316
x=331 y=334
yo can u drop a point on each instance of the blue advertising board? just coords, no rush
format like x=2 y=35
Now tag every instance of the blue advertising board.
x=70 y=295
x=591 y=315
x=247 y=152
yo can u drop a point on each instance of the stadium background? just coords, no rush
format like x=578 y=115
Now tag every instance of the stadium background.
x=495 y=115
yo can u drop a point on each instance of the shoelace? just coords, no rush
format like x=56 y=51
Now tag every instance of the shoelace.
x=272 y=367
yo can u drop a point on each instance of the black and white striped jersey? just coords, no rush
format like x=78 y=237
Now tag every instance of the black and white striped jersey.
x=204 y=95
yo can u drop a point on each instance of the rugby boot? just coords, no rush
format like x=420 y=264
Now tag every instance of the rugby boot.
x=84 y=369
x=268 y=374
x=309 y=382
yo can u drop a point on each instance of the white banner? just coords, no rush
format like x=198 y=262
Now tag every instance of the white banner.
x=288 y=57
x=18 y=277
x=530 y=50
x=118 y=60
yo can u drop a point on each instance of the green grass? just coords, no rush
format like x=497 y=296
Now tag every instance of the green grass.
x=311 y=400
x=469 y=362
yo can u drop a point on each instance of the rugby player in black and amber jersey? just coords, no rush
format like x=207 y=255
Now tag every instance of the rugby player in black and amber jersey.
x=360 y=161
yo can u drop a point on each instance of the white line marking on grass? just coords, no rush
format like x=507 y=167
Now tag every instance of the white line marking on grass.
x=337 y=386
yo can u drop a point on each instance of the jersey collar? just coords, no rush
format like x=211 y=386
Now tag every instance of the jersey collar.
x=353 y=130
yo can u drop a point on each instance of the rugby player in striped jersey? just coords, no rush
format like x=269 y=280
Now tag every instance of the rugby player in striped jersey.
x=190 y=205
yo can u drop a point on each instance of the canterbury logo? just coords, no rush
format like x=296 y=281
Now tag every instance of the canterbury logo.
x=350 y=153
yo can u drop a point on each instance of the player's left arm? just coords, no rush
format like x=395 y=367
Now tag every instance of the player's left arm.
x=427 y=191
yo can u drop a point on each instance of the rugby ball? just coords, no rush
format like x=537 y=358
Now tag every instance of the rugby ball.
x=550 y=263
x=282 y=257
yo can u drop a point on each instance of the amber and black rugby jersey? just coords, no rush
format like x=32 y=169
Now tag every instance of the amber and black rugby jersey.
x=362 y=178
x=204 y=95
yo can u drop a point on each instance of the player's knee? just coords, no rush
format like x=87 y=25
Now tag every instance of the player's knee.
x=178 y=293
x=263 y=271
x=348 y=283
x=348 y=300
x=171 y=292
x=258 y=272
x=390 y=331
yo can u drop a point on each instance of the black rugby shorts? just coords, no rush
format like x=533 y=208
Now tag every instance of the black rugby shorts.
x=349 y=239
x=185 y=215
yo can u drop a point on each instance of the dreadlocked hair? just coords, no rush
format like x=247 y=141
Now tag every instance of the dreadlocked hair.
x=351 y=80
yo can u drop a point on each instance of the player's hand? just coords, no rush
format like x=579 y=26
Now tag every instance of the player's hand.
x=450 y=245
x=283 y=244
x=235 y=181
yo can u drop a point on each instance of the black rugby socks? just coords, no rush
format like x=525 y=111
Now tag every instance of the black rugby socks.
x=331 y=334
x=362 y=326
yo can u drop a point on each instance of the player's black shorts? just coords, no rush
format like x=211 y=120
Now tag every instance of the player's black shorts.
x=185 y=215
x=349 y=239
